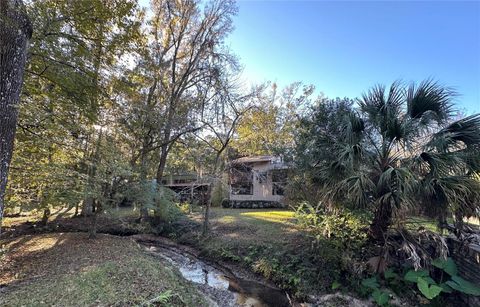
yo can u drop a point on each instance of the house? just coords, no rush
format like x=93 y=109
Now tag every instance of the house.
x=257 y=182
x=188 y=187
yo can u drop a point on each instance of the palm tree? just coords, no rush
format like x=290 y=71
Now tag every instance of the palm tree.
x=402 y=150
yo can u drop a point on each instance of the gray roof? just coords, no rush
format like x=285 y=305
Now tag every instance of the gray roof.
x=251 y=159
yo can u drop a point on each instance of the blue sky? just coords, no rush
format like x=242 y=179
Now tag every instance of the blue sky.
x=343 y=48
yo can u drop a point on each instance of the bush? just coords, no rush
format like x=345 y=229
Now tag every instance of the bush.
x=219 y=193
x=165 y=207
x=345 y=228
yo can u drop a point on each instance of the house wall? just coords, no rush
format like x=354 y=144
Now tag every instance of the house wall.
x=261 y=191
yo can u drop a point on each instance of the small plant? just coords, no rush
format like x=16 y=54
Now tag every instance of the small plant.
x=336 y=285
x=431 y=288
x=160 y=300
x=344 y=227
x=381 y=297
x=425 y=283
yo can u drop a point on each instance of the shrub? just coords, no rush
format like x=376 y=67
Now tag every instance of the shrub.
x=343 y=227
x=219 y=193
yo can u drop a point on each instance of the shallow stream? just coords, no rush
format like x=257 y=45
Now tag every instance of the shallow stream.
x=221 y=286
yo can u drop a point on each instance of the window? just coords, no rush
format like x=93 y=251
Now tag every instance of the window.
x=241 y=180
x=262 y=177
x=242 y=189
x=279 y=181
x=277 y=189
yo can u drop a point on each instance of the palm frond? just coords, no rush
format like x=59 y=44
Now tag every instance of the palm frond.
x=355 y=126
x=381 y=107
x=443 y=164
x=460 y=193
x=396 y=185
x=357 y=188
x=461 y=133
x=395 y=129
x=430 y=101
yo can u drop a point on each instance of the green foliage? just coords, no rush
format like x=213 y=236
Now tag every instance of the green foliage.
x=73 y=57
x=381 y=297
x=390 y=274
x=461 y=285
x=371 y=283
x=362 y=157
x=185 y=207
x=345 y=228
x=270 y=128
x=319 y=130
x=429 y=291
x=219 y=193
x=336 y=285
x=422 y=279
x=165 y=207
x=298 y=271
x=448 y=265
x=157 y=199
x=431 y=288
x=413 y=275
x=160 y=300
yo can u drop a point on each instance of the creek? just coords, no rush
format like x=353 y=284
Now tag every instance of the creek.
x=219 y=284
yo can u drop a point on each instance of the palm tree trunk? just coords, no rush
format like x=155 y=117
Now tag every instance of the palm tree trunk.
x=381 y=221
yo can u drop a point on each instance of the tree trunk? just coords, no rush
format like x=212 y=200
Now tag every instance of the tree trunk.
x=46 y=216
x=15 y=32
x=206 y=218
x=166 y=139
x=381 y=221
x=143 y=181
x=162 y=163
x=76 y=209
x=92 y=231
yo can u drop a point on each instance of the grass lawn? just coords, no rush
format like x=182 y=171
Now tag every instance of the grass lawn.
x=68 y=269
x=253 y=225
x=416 y=222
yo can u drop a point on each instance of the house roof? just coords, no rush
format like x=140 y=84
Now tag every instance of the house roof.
x=251 y=159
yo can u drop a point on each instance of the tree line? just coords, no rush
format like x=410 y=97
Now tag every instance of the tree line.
x=110 y=96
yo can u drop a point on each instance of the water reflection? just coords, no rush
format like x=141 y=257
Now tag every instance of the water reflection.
x=247 y=293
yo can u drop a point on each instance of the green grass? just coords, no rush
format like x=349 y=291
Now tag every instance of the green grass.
x=418 y=222
x=254 y=225
x=70 y=270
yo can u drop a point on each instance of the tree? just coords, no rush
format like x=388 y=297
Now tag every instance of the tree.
x=401 y=146
x=75 y=57
x=319 y=130
x=221 y=123
x=15 y=32
x=269 y=128
x=187 y=56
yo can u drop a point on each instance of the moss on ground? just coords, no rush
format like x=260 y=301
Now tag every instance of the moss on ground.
x=71 y=270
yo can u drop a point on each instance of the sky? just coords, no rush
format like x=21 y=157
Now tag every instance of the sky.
x=345 y=47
